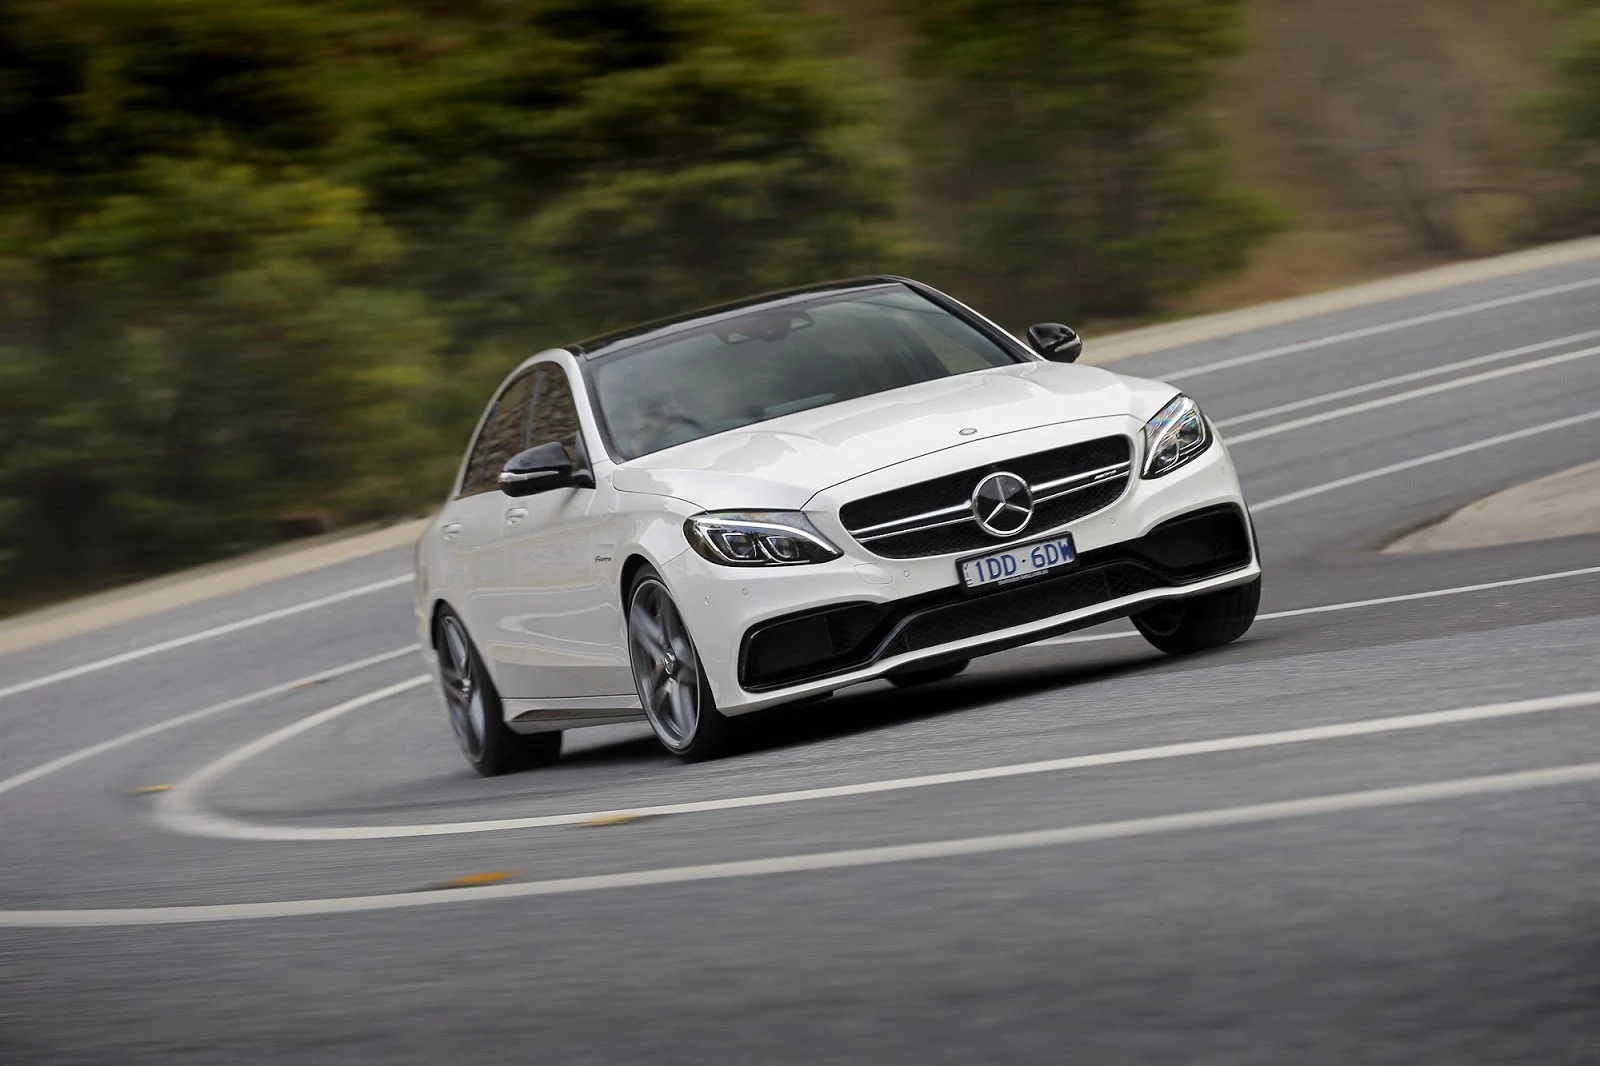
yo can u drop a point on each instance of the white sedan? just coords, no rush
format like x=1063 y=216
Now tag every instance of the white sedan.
x=768 y=501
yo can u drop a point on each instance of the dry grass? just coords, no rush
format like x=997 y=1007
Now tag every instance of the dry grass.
x=1391 y=130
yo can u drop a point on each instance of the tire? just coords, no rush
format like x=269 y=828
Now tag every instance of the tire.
x=668 y=675
x=927 y=676
x=1178 y=627
x=476 y=715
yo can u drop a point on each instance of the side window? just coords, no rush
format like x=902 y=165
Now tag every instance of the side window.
x=504 y=434
x=555 y=414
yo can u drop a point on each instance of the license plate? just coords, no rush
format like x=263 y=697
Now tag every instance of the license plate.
x=1017 y=564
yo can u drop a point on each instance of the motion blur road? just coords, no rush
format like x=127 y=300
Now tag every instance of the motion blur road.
x=1364 y=885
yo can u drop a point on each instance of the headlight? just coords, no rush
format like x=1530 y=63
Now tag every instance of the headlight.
x=1175 y=435
x=758 y=538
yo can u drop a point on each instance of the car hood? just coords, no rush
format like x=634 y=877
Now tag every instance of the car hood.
x=783 y=462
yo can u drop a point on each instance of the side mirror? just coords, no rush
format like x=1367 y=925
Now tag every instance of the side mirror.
x=1055 y=342
x=541 y=468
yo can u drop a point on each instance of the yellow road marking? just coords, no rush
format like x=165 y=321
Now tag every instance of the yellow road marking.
x=613 y=819
x=488 y=877
x=145 y=790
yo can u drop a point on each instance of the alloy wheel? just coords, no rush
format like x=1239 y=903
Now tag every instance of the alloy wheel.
x=463 y=695
x=665 y=666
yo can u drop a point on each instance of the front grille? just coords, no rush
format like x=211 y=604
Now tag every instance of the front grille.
x=847 y=636
x=935 y=517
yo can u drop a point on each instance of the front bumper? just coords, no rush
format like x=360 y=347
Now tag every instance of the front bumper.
x=824 y=642
x=759 y=631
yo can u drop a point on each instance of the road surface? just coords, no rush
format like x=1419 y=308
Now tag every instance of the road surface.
x=238 y=831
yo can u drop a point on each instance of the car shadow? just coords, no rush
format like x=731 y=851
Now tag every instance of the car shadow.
x=876 y=706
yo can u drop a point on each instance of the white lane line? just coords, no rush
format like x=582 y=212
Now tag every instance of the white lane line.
x=180 y=809
x=1373 y=331
x=1402 y=379
x=1422 y=460
x=1351 y=605
x=204 y=634
x=1252 y=814
x=18 y=780
x=1403 y=397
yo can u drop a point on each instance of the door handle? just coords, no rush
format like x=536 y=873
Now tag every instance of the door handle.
x=515 y=515
x=450 y=531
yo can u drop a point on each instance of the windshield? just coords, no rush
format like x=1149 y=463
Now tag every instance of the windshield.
x=773 y=361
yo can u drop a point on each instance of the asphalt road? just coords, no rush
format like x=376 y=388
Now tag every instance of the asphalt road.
x=1259 y=855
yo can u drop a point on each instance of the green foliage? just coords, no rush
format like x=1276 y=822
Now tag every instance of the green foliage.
x=267 y=257
x=198 y=355
x=1571 y=112
x=1069 y=132
x=569 y=166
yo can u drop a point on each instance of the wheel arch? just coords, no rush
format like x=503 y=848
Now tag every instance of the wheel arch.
x=631 y=566
x=440 y=606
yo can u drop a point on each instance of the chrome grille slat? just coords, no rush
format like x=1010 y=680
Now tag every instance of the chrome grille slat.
x=1088 y=475
x=1067 y=482
x=862 y=533
x=864 y=536
x=918 y=529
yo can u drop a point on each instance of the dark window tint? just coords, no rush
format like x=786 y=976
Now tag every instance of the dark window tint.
x=504 y=434
x=735 y=370
x=555 y=414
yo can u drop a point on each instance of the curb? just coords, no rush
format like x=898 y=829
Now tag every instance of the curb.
x=1563 y=504
x=85 y=615
x=1147 y=339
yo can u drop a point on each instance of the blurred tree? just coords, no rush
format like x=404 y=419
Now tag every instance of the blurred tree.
x=89 y=89
x=268 y=255
x=565 y=166
x=195 y=335
x=1067 y=138
x=1572 y=113
x=194 y=358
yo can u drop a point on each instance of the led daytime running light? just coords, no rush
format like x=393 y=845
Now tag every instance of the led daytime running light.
x=759 y=538
x=1177 y=434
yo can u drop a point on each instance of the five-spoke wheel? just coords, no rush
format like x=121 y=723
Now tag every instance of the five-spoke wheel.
x=463 y=697
x=667 y=673
x=474 y=708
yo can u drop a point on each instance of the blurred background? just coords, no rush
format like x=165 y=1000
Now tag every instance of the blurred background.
x=262 y=261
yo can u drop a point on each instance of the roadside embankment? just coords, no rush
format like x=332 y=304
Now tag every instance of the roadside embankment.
x=1560 y=505
x=201 y=583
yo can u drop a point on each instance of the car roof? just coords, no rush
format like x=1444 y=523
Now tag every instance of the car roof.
x=607 y=342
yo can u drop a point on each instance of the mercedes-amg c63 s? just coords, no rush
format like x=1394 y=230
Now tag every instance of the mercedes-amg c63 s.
x=767 y=501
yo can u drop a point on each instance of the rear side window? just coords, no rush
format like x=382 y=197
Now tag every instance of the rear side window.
x=554 y=412
x=504 y=434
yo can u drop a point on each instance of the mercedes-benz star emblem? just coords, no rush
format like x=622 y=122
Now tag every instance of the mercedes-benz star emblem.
x=1002 y=504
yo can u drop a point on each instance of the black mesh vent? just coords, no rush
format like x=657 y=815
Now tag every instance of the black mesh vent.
x=1027 y=603
x=1199 y=544
x=956 y=490
x=816 y=642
